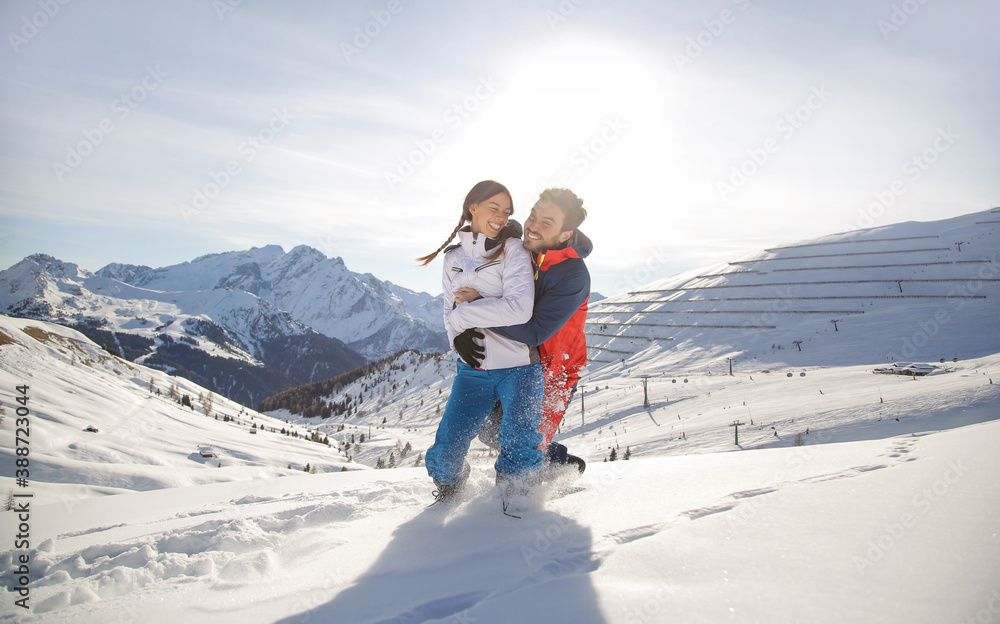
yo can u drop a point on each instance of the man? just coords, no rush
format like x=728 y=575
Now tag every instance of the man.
x=562 y=289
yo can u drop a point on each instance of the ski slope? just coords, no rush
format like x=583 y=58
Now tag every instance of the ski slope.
x=905 y=291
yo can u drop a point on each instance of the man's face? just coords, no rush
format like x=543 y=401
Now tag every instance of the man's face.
x=543 y=229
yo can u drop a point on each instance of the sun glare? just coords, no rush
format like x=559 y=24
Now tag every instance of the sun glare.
x=572 y=109
x=580 y=114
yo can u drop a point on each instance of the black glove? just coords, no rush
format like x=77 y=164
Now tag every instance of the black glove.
x=468 y=349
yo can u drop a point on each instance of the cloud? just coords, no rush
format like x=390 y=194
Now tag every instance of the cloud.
x=413 y=95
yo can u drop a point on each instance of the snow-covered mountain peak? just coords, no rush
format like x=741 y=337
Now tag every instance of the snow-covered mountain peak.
x=44 y=264
x=128 y=273
x=373 y=317
x=267 y=253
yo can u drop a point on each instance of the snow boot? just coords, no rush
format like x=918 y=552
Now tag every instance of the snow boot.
x=558 y=460
x=519 y=494
x=447 y=492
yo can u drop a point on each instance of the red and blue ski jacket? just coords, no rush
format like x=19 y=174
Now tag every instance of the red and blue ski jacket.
x=562 y=289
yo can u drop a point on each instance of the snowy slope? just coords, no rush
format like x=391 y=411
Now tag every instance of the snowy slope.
x=687 y=414
x=901 y=529
x=911 y=291
x=376 y=318
x=146 y=439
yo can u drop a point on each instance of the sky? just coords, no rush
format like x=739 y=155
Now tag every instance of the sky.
x=696 y=132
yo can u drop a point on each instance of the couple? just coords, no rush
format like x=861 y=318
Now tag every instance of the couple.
x=514 y=311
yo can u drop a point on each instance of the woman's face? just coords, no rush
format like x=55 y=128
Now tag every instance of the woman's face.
x=489 y=217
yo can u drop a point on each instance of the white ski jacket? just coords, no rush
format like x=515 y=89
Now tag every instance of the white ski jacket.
x=507 y=287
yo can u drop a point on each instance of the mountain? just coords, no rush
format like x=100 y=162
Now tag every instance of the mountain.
x=373 y=317
x=232 y=342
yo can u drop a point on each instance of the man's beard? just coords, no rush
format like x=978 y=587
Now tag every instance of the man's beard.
x=539 y=245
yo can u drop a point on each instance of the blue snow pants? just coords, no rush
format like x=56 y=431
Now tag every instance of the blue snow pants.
x=473 y=395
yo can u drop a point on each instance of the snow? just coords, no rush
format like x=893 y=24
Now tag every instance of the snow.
x=851 y=496
x=899 y=529
x=145 y=441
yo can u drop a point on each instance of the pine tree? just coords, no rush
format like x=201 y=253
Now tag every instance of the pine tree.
x=392 y=460
x=206 y=402
x=628 y=454
x=308 y=468
x=614 y=455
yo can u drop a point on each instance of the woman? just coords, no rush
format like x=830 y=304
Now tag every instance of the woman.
x=493 y=262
